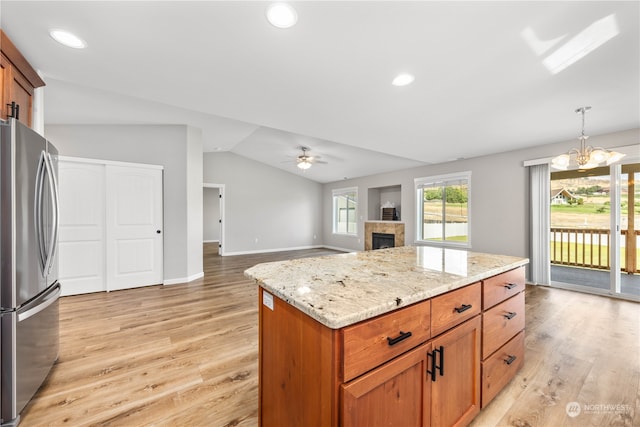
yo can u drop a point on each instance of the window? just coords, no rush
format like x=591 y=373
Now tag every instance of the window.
x=443 y=209
x=345 y=204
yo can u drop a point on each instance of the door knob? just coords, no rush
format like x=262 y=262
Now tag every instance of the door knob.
x=158 y=231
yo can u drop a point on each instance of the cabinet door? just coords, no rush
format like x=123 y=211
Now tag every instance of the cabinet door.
x=455 y=393
x=22 y=94
x=5 y=80
x=15 y=88
x=395 y=394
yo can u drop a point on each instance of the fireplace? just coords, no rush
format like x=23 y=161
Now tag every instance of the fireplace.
x=389 y=234
x=383 y=240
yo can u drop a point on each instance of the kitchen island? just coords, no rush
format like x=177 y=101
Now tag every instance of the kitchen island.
x=402 y=336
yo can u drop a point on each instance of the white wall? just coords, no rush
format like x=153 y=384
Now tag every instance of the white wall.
x=176 y=148
x=211 y=214
x=266 y=209
x=499 y=195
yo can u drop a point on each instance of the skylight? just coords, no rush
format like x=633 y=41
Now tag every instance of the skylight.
x=585 y=42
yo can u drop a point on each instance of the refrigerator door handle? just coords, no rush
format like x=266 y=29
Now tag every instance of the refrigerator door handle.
x=53 y=190
x=46 y=302
x=37 y=212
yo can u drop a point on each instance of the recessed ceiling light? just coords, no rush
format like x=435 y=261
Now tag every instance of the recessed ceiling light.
x=282 y=15
x=68 y=39
x=403 y=79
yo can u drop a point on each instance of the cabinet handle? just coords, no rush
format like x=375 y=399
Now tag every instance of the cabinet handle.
x=510 y=360
x=434 y=365
x=510 y=315
x=15 y=110
x=401 y=337
x=510 y=285
x=464 y=307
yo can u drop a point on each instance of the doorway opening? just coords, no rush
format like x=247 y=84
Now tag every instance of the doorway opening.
x=212 y=224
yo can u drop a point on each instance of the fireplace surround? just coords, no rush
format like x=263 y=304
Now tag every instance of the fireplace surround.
x=394 y=228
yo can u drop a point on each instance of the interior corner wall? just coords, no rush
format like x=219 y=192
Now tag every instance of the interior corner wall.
x=266 y=209
x=499 y=205
x=166 y=145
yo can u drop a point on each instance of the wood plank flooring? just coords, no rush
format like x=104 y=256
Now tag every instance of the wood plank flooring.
x=186 y=355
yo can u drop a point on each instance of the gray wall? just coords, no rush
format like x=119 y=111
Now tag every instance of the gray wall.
x=499 y=195
x=211 y=214
x=279 y=209
x=194 y=202
x=176 y=148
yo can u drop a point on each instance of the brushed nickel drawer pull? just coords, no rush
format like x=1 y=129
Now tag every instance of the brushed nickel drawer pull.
x=464 y=307
x=510 y=315
x=510 y=360
x=510 y=285
x=401 y=337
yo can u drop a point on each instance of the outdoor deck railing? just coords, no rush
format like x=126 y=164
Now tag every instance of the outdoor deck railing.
x=588 y=247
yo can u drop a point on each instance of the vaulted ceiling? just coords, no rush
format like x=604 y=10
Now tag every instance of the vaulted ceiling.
x=489 y=76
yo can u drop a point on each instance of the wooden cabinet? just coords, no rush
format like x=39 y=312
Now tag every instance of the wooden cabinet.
x=503 y=323
x=395 y=395
x=17 y=82
x=455 y=393
x=437 y=384
x=499 y=368
x=371 y=343
x=455 y=307
x=419 y=366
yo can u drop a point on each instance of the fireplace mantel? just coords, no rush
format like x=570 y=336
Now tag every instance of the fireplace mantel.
x=388 y=227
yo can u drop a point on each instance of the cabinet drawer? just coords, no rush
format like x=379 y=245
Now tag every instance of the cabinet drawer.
x=501 y=323
x=501 y=367
x=373 y=342
x=452 y=308
x=501 y=287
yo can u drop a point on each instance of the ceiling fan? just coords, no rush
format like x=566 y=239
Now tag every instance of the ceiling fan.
x=304 y=161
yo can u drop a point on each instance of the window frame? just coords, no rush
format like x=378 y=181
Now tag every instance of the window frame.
x=338 y=192
x=420 y=184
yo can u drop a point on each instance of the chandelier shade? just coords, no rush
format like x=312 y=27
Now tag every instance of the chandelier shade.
x=586 y=156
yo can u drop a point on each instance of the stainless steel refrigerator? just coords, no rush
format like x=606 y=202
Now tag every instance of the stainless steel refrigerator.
x=29 y=287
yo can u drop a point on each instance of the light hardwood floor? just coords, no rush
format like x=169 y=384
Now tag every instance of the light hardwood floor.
x=186 y=355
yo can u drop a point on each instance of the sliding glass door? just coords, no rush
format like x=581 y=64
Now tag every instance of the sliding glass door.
x=593 y=236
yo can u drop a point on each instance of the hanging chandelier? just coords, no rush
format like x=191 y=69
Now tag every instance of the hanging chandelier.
x=585 y=157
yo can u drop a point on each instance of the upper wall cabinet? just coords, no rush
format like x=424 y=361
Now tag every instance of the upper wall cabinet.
x=18 y=79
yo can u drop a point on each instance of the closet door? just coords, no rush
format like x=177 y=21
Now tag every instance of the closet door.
x=134 y=226
x=82 y=231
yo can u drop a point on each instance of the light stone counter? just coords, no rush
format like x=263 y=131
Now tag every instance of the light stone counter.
x=340 y=290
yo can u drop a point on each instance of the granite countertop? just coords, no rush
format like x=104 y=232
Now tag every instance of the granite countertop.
x=343 y=289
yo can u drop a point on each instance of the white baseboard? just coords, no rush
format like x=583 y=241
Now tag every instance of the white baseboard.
x=297 y=248
x=211 y=241
x=264 y=251
x=335 y=248
x=184 y=279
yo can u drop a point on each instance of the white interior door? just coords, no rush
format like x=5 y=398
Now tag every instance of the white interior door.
x=82 y=231
x=134 y=226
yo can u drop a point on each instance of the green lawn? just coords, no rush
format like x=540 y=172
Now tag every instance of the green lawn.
x=574 y=254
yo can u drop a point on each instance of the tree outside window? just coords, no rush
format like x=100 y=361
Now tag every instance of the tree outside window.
x=443 y=209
